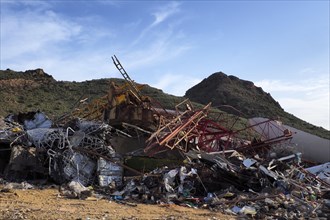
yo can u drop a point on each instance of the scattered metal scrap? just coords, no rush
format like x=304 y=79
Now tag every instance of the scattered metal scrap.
x=259 y=176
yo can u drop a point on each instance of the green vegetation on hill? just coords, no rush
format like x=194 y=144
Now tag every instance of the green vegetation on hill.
x=250 y=100
x=35 y=90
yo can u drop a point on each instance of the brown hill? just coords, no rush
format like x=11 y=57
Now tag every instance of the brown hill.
x=246 y=100
x=34 y=89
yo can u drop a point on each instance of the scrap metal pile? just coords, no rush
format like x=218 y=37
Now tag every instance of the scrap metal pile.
x=240 y=172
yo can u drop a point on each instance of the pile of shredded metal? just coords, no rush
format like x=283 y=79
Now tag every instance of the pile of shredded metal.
x=81 y=158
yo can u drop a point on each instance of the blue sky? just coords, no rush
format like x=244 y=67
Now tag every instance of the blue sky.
x=282 y=46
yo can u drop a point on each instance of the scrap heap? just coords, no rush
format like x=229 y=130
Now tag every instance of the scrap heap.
x=215 y=167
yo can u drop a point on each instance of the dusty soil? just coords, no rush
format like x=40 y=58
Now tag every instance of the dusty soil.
x=48 y=204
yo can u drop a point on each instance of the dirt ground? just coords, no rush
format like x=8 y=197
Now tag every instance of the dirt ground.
x=48 y=204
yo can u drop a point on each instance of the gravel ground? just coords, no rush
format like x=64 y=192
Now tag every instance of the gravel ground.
x=48 y=204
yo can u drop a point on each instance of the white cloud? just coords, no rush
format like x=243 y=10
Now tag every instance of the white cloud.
x=165 y=12
x=64 y=47
x=158 y=51
x=315 y=111
x=158 y=47
x=160 y=15
x=27 y=32
x=38 y=5
x=307 y=70
x=289 y=86
x=39 y=37
x=306 y=98
x=175 y=84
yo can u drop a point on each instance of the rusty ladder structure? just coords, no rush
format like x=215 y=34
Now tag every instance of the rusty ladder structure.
x=135 y=91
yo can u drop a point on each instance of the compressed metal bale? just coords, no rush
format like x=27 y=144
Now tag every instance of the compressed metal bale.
x=80 y=167
x=40 y=120
x=108 y=180
x=109 y=172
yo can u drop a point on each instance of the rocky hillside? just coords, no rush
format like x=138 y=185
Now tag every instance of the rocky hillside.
x=36 y=90
x=247 y=101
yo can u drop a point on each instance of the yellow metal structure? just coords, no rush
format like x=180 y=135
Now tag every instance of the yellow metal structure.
x=128 y=93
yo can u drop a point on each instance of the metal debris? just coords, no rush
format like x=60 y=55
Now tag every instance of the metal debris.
x=260 y=175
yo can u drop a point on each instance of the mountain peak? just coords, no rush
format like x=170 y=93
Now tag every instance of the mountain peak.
x=32 y=74
x=35 y=89
x=38 y=73
x=221 y=89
